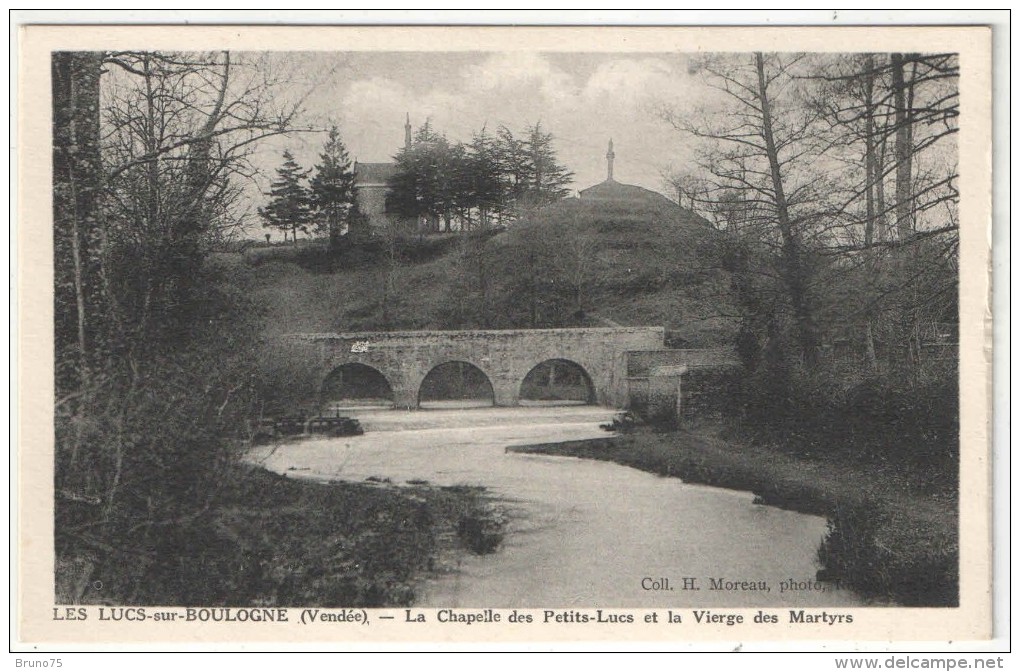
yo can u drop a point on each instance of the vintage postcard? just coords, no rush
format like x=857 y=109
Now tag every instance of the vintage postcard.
x=344 y=336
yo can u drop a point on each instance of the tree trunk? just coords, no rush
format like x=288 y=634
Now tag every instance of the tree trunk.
x=78 y=182
x=880 y=206
x=533 y=287
x=869 y=346
x=910 y=144
x=483 y=285
x=873 y=185
x=334 y=223
x=152 y=175
x=870 y=174
x=904 y=151
x=794 y=271
x=384 y=303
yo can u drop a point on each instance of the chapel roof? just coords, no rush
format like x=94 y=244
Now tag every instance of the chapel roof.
x=611 y=190
x=373 y=174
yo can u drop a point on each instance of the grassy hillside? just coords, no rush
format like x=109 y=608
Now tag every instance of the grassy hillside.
x=572 y=264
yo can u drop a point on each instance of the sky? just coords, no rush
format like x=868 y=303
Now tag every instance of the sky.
x=582 y=99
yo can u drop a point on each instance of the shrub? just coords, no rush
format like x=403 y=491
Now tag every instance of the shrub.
x=911 y=422
x=890 y=559
x=142 y=447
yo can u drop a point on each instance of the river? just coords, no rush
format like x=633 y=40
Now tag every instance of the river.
x=583 y=533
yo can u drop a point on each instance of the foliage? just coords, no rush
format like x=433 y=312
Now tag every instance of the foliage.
x=290 y=204
x=267 y=540
x=832 y=180
x=469 y=186
x=332 y=186
x=154 y=346
x=804 y=163
x=910 y=425
x=547 y=179
x=426 y=182
x=882 y=554
x=635 y=267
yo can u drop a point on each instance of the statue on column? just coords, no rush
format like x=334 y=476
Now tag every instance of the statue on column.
x=610 y=155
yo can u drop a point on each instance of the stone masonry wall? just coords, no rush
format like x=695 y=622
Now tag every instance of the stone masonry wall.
x=678 y=384
x=505 y=356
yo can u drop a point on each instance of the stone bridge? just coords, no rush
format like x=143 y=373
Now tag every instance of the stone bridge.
x=405 y=358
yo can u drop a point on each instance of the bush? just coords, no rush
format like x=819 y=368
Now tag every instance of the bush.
x=266 y=540
x=142 y=447
x=897 y=420
x=890 y=559
x=482 y=530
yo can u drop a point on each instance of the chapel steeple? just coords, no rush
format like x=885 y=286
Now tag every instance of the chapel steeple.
x=407 y=132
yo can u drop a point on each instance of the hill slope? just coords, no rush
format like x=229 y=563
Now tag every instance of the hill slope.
x=574 y=264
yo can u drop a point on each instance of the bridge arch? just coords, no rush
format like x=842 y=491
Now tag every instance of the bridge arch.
x=457 y=383
x=557 y=380
x=355 y=384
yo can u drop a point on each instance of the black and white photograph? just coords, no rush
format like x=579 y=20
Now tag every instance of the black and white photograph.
x=436 y=335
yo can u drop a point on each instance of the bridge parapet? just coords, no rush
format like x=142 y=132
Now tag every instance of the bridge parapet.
x=654 y=335
x=404 y=358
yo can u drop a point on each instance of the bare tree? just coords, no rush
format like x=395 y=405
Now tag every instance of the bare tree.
x=77 y=195
x=761 y=149
x=891 y=117
x=871 y=103
x=179 y=131
x=689 y=188
x=149 y=150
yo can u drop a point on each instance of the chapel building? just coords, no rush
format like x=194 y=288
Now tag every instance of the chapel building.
x=371 y=186
x=611 y=192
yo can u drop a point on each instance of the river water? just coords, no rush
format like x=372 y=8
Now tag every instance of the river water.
x=583 y=533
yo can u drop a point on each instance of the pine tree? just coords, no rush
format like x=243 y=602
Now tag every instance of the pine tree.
x=529 y=169
x=514 y=168
x=485 y=179
x=423 y=185
x=549 y=179
x=289 y=208
x=500 y=175
x=332 y=186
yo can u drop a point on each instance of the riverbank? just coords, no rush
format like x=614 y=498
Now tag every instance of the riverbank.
x=273 y=540
x=887 y=538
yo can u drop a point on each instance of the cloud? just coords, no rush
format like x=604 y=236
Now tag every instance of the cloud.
x=516 y=70
x=629 y=82
x=612 y=98
x=374 y=93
